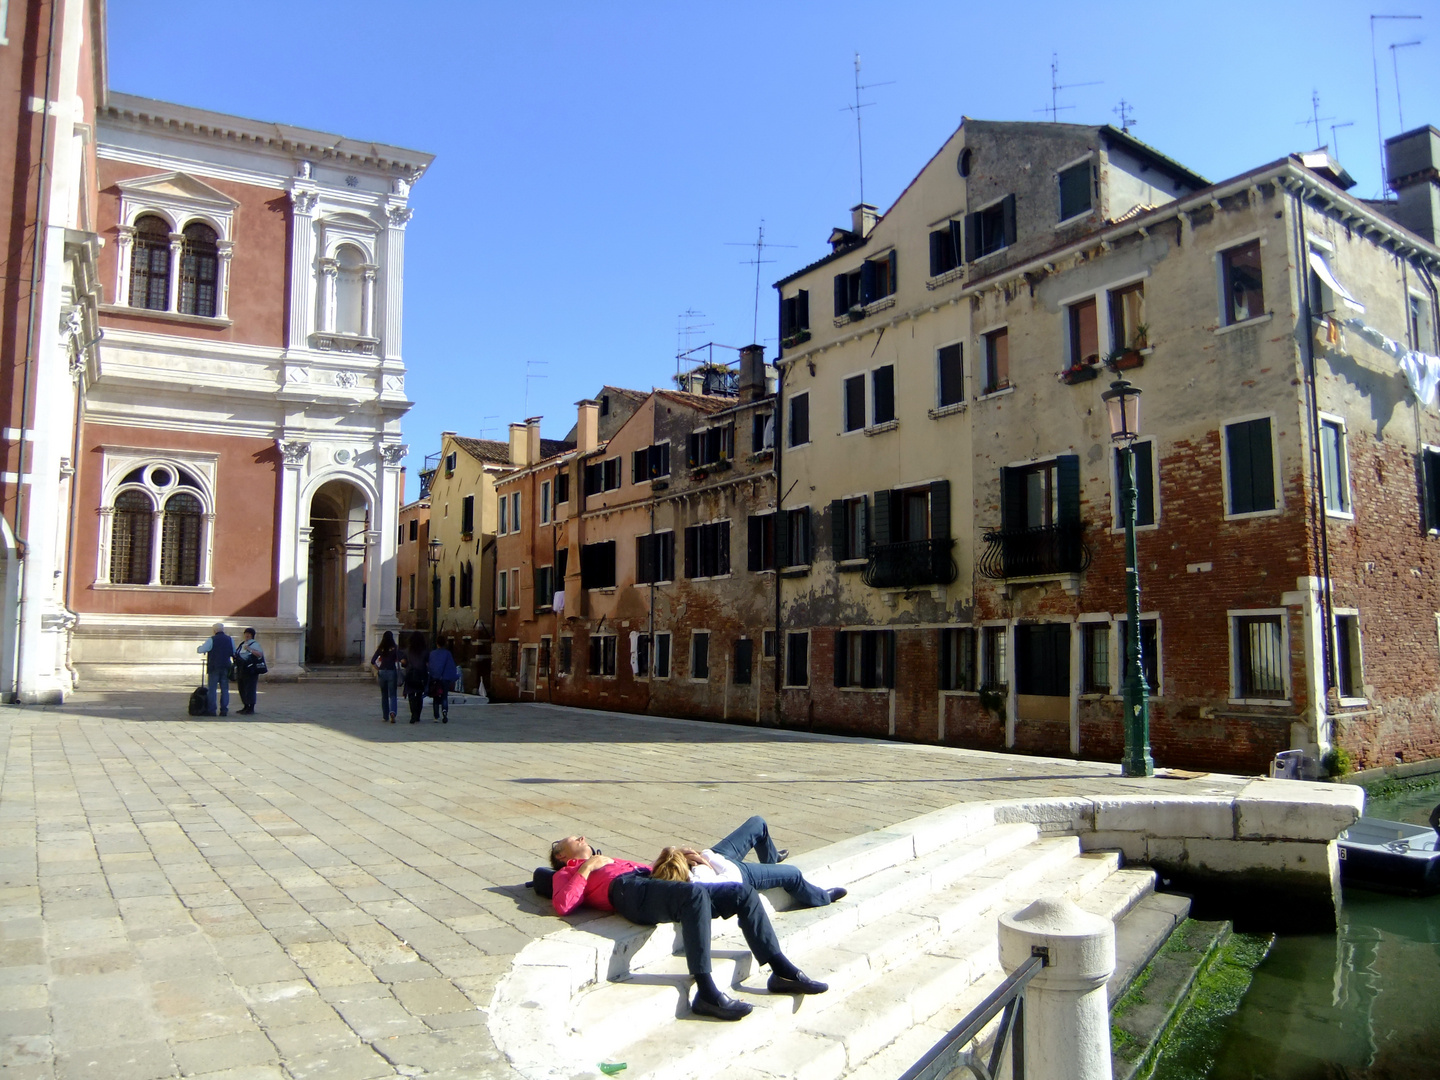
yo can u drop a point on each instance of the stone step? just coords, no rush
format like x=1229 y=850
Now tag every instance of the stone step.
x=884 y=979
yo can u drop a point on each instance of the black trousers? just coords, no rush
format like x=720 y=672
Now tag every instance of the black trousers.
x=248 y=682
x=646 y=901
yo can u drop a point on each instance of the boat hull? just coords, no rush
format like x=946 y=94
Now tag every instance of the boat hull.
x=1390 y=856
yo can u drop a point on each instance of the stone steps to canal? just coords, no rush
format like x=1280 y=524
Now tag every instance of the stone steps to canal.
x=907 y=954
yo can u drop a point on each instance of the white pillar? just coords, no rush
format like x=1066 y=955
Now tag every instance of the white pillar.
x=294 y=556
x=367 y=318
x=1067 y=1015
x=177 y=247
x=328 y=272
x=397 y=216
x=207 y=549
x=157 y=531
x=222 y=279
x=124 y=253
x=107 y=531
x=302 y=261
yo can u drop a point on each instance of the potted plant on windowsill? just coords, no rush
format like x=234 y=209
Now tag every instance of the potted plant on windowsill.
x=1132 y=355
x=1082 y=370
x=797 y=338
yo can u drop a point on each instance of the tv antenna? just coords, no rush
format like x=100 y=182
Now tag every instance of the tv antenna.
x=491 y=427
x=532 y=375
x=759 y=244
x=1395 y=64
x=689 y=327
x=1315 y=117
x=1055 y=108
x=1126 y=114
x=1379 y=125
x=1335 y=138
x=860 y=142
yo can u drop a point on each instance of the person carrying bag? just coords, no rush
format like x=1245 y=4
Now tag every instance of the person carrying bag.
x=443 y=672
x=249 y=666
x=417 y=676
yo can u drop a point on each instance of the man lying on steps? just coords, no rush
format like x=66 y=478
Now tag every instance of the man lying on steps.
x=583 y=876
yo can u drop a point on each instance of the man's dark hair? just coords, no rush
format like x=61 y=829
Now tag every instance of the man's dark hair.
x=556 y=862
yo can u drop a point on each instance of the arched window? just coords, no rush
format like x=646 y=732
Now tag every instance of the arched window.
x=150 y=265
x=180 y=540
x=349 y=290
x=199 y=270
x=130 y=539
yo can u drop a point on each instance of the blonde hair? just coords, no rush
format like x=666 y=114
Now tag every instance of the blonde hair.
x=671 y=865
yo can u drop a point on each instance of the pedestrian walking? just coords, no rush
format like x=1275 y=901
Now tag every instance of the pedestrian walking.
x=386 y=662
x=443 y=672
x=219 y=648
x=249 y=666
x=416 y=661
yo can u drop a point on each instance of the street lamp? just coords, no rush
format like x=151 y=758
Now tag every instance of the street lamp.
x=1122 y=402
x=436 y=549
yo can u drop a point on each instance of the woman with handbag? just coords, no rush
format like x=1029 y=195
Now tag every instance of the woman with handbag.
x=249 y=666
x=386 y=662
x=415 y=661
x=443 y=673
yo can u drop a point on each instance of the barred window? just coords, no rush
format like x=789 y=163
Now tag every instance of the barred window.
x=180 y=540
x=199 y=270
x=1260 y=657
x=150 y=265
x=130 y=539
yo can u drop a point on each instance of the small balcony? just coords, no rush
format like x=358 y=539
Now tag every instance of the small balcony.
x=913 y=564
x=1046 y=551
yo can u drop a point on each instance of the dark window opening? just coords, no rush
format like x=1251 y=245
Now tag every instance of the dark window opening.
x=567 y=647
x=712 y=445
x=849 y=536
x=865 y=658
x=662 y=656
x=950 y=371
x=995 y=672
x=997 y=360
x=799 y=433
x=1095 y=658
x=150 y=265
x=1251 y=466
x=1042 y=659
x=947 y=247
x=1127 y=317
x=597 y=565
x=655 y=558
x=199 y=270
x=762 y=430
x=744 y=652
x=991 y=229
x=1244 y=288
x=700 y=654
x=1260 y=656
x=650 y=463
x=957 y=658
x=1084 y=333
x=794 y=317
x=1144 y=484
x=855 y=403
x=797 y=659
x=707 y=550
x=1149 y=653
x=1351 y=682
x=602 y=655
x=882 y=385
x=760 y=549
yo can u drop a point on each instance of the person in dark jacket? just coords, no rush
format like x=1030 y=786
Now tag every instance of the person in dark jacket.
x=219 y=648
x=443 y=673
x=417 y=675
x=248 y=659
x=386 y=662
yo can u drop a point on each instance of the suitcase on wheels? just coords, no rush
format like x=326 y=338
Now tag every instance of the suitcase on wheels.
x=198 y=698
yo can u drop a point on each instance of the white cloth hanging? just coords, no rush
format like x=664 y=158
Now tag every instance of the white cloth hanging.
x=634 y=652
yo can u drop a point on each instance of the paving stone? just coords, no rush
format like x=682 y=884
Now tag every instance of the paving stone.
x=431 y=996
x=118 y=1061
x=225 y=1052
x=349 y=1063
x=300 y=1039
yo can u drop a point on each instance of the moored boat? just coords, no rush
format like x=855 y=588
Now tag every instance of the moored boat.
x=1391 y=856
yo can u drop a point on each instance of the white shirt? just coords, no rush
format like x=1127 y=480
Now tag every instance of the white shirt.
x=725 y=871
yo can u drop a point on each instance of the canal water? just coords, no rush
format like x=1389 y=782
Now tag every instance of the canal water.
x=1362 y=1004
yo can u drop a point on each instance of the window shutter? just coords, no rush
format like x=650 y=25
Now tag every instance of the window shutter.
x=1007 y=209
x=940 y=510
x=1429 y=519
x=802 y=310
x=867 y=282
x=935 y=239
x=840 y=652
x=1012 y=499
x=957 y=237
x=1262 y=465
x=894 y=270
x=756 y=538
x=1067 y=476
x=784 y=330
x=723 y=541
x=691 y=549
x=882 y=516
x=972 y=238
x=639 y=466
x=694 y=453
x=862 y=509
x=642 y=558
x=808 y=554
x=842 y=295
x=884 y=404
x=838 y=549
x=782 y=538
x=867 y=659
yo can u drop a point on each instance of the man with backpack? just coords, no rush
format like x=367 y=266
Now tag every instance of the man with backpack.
x=220 y=652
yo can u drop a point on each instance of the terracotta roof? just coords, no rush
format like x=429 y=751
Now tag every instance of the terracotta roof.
x=701 y=402
x=495 y=452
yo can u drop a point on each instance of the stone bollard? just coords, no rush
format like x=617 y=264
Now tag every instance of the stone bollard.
x=1067 y=1014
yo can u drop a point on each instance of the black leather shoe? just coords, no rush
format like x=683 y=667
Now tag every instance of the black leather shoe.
x=800 y=984
x=838 y=894
x=781 y=854
x=727 y=1008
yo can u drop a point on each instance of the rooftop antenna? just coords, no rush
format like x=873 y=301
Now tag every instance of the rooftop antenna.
x=1315 y=117
x=1055 y=108
x=688 y=327
x=532 y=375
x=490 y=427
x=1379 y=126
x=760 y=244
x=1126 y=114
x=1335 y=138
x=859 y=142
x=1396 y=65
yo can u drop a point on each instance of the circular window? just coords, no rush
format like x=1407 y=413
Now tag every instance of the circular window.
x=963 y=164
x=343 y=456
x=161 y=478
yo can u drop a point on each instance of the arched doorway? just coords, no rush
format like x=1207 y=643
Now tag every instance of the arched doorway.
x=335 y=619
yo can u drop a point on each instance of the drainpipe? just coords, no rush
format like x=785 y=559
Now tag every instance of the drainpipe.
x=1327 y=599
x=779 y=475
x=37 y=260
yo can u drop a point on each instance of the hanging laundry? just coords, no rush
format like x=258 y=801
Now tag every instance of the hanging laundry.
x=634 y=652
x=1324 y=273
x=1422 y=372
x=1392 y=348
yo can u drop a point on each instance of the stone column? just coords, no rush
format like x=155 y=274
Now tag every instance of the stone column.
x=397 y=215
x=328 y=271
x=124 y=254
x=222 y=279
x=302 y=261
x=207 y=545
x=157 y=537
x=381 y=614
x=1067 y=1015
x=107 y=532
x=291 y=537
x=177 y=248
x=367 y=319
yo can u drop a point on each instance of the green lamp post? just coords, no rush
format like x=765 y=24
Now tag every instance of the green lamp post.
x=1122 y=403
x=437 y=549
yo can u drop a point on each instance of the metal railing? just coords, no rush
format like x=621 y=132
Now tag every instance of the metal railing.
x=910 y=564
x=1008 y=1002
x=1048 y=549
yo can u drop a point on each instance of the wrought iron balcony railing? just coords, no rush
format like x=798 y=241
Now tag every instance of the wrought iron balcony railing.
x=1048 y=549
x=910 y=565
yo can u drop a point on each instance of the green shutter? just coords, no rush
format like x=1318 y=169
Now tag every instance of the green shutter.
x=940 y=510
x=1262 y=464
x=842 y=295
x=1067 y=476
x=972 y=238
x=782 y=539
x=882 y=516
x=724 y=544
x=756 y=536
x=894 y=272
x=1007 y=210
x=1012 y=499
x=957 y=237
x=838 y=549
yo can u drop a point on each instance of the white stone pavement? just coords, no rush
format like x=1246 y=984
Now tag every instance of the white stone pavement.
x=311 y=894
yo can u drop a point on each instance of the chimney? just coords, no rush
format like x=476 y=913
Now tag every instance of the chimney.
x=587 y=427
x=532 y=439
x=862 y=219
x=1412 y=163
x=519 y=446
x=402 y=486
x=752 y=373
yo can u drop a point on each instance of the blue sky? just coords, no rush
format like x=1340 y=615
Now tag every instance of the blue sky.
x=596 y=161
